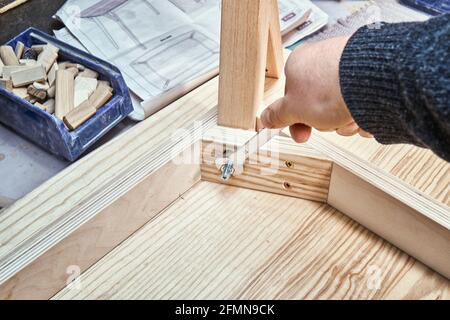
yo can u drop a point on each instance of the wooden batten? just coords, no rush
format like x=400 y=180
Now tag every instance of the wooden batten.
x=244 y=59
x=64 y=98
x=406 y=217
x=52 y=74
x=275 y=55
x=6 y=84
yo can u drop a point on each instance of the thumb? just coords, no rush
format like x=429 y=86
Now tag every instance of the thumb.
x=277 y=115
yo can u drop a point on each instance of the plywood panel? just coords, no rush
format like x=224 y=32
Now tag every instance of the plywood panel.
x=52 y=271
x=221 y=242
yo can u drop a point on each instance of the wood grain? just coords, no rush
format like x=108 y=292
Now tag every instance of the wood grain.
x=79 y=115
x=255 y=246
x=275 y=54
x=328 y=256
x=65 y=91
x=413 y=230
x=244 y=58
x=48 y=274
x=280 y=167
x=417 y=167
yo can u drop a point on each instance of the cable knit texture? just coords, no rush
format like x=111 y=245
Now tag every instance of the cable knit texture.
x=395 y=79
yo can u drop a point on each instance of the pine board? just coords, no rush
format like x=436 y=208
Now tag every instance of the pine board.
x=230 y=243
x=221 y=242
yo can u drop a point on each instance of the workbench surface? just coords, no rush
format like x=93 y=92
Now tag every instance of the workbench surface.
x=36 y=13
x=221 y=242
x=217 y=241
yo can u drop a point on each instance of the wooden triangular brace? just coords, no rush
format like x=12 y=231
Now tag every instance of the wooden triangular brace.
x=251 y=49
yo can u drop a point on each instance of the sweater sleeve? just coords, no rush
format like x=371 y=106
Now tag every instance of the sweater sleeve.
x=395 y=80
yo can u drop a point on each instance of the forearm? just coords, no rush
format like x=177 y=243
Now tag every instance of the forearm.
x=395 y=80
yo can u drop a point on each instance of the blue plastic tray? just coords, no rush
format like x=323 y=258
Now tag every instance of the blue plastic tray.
x=48 y=131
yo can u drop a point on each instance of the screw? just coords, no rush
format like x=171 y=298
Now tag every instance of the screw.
x=289 y=164
x=287 y=185
x=227 y=170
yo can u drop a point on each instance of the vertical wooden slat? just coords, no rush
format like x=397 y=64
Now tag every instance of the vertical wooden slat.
x=275 y=57
x=244 y=57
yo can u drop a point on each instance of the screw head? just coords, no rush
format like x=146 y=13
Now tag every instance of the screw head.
x=289 y=164
x=287 y=186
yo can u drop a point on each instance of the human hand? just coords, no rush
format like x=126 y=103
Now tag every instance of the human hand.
x=313 y=97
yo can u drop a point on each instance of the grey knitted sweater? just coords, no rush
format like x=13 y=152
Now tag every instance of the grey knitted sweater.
x=395 y=79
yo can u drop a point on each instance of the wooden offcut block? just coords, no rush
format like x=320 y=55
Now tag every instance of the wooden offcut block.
x=41 y=85
x=8 y=56
x=68 y=64
x=79 y=115
x=6 y=84
x=64 y=99
x=36 y=93
x=100 y=96
x=84 y=87
x=88 y=73
x=51 y=92
x=8 y=70
x=105 y=83
x=74 y=71
x=38 y=48
x=20 y=47
x=21 y=93
x=48 y=57
x=28 y=76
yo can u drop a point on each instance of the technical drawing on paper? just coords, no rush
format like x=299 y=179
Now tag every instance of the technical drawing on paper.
x=170 y=60
x=111 y=9
x=164 y=66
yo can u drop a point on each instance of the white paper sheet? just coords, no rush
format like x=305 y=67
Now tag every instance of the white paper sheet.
x=164 y=48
